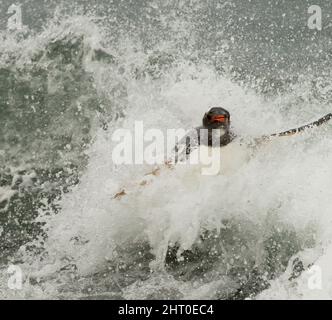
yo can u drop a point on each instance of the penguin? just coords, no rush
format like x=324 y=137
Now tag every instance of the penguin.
x=216 y=127
x=217 y=120
x=215 y=131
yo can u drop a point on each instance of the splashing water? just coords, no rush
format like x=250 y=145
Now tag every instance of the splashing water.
x=251 y=231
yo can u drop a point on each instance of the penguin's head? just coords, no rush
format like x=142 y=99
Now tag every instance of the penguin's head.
x=217 y=118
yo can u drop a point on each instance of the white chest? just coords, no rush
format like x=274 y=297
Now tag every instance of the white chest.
x=225 y=160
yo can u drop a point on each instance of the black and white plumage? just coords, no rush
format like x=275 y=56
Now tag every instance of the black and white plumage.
x=215 y=132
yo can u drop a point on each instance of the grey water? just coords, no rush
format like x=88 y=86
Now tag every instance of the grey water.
x=72 y=73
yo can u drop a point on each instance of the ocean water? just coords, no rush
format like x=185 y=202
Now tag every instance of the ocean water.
x=77 y=72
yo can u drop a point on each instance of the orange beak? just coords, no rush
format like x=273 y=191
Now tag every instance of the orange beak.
x=219 y=118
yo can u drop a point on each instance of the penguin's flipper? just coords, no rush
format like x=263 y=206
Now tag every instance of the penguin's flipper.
x=311 y=125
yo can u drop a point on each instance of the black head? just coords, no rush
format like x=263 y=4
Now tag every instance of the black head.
x=217 y=118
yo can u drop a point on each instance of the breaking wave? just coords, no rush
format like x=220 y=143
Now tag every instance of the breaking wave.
x=251 y=232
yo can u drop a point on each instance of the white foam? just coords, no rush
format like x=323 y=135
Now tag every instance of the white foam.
x=285 y=181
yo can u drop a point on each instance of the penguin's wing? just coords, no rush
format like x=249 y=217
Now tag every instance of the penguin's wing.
x=186 y=145
x=298 y=130
x=311 y=125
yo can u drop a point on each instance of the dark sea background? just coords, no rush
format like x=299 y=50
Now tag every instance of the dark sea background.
x=79 y=70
